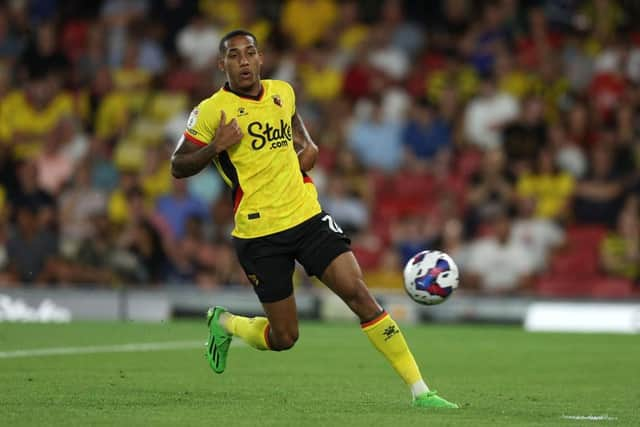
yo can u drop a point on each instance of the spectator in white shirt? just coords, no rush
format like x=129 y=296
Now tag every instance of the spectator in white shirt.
x=497 y=264
x=487 y=114
x=198 y=43
x=540 y=236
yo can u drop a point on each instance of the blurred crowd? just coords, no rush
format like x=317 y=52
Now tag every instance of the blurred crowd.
x=505 y=132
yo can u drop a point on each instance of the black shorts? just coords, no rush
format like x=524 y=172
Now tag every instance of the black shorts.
x=269 y=261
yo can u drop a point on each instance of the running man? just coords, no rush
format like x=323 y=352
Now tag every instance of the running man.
x=258 y=142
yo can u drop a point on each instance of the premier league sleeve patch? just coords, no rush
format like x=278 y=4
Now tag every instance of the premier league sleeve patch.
x=193 y=119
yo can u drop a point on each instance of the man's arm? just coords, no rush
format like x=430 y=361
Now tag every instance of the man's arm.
x=188 y=159
x=305 y=147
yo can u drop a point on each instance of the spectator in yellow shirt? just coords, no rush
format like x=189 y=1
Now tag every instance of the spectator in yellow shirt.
x=550 y=188
x=31 y=114
x=307 y=21
x=321 y=80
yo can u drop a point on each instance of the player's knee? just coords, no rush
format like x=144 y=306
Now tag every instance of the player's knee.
x=284 y=341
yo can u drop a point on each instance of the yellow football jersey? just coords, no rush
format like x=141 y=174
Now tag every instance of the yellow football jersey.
x=270 y=192
x=29 y=126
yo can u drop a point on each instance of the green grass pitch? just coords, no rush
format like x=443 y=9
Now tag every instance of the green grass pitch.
x=501 y=376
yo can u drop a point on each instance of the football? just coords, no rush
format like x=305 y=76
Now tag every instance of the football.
x=430 y=277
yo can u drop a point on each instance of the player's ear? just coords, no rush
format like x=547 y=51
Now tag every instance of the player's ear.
x=260 y=57
x=221 y=64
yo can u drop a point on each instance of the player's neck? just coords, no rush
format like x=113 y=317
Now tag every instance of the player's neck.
x=255 y=92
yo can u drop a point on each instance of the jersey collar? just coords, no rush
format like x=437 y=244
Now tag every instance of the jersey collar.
x=257 y=97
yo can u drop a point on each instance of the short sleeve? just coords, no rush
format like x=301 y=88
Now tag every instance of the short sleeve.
x=202 y=123
x=293 y=100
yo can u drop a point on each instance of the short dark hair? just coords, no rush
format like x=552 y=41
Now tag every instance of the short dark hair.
x=222 y=47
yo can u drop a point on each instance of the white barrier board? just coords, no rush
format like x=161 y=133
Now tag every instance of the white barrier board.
x=583 y=317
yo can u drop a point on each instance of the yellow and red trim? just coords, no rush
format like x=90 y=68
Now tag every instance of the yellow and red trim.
x=374 y=321
x=193 y=139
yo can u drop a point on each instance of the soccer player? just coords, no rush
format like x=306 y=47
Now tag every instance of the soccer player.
x=252 y=133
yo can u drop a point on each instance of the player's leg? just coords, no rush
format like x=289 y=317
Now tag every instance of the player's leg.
x=283 y=323
x=344 y=277
x=270 y=270
x=326 y=253
x=278 y=331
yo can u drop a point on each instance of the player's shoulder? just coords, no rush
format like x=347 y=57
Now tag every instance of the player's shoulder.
x=272 y=84
x=218 y=97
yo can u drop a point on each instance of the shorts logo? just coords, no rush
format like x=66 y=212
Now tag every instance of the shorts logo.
x=253 y=279
x=389 y=332
x=193 y=119
x=242 y=111
x=277 y=100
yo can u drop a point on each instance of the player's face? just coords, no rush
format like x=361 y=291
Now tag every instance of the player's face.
x=241 y=63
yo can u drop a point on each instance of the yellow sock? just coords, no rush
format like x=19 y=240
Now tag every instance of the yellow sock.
x=253 y=330
x=385 y=335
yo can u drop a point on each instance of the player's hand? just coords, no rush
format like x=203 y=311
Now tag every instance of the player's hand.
x=227 y=134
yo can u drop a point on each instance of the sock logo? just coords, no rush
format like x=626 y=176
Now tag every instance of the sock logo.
x=389 y=332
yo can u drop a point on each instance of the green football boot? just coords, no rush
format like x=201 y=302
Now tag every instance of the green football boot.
x=431 y=399
x=218 y=342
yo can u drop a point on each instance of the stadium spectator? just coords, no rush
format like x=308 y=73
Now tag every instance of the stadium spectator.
x=306 y=22
x=547 y=187
x=488 y=36
x=349 y=28
x=496 y=264
x=197 y=43
x=376 y=140
x=425 y=135
x=487 y=114
x=194 y=259
x=43 y=53
x=118 y=16
x=620 y=249
x=99 y=260
x=569 y=156
x=11 y=44
x=29 y=193
x=454 y=74
x=492 y=185
x=599 y=195
x=320 y=75
x=32 y=248
x=151 y=55
x=579 y=125
x=452 y=241
x=404 y=32
x=392 y=61
x=541 y=236
x=79 y=203
x=54 y=166
x=525 y=137
x=178 y=206
x=117 y=207
x=143 y=240
x=30 y=114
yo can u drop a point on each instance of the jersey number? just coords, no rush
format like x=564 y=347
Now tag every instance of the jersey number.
x=332 y=224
